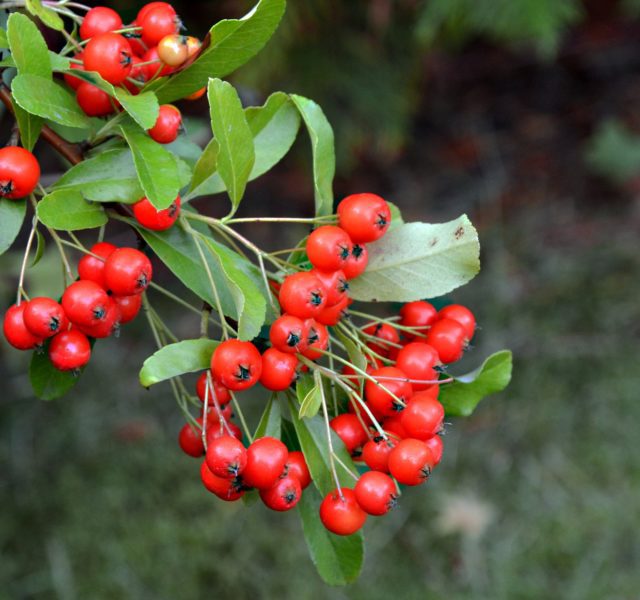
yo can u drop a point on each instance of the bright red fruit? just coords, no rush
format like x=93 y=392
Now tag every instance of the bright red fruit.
x=15 y=331
x=91 y=268
x=139 y=73
x=296 y=466
x=228 y=428
x=278 y=369
x=303 y=295
x=44 y=317
x=448 y=338
x=157 y=220
x=286 y=334
x=335 y=283
x=221 y=393
x=100 y=19
x=167 y=124
x=69 y=350
x=228 y=490
x=19 y=172
x=85 y=303
x=418 y=360
x=411 y=462
x=236 y=365
x=328 y=247
x=436 y=446
x=423 y=417
x=357 y=262
x=349 y=430
x=385 y=333
x=226 y=457
x=150 y=6
x=419 y=314
x=365 y=217
x=376 y=493
x=109 y=54
x=316 y=339
x=72 y=81
x=156 y=23
x=158 y=69
x=127 y=271
x=393 y=426
x=108 y=326
x=266 y=458
x=375 y=453
x=190 y=440
x=332 y=314
x=93 y=101
x=283 y=495
x=129 y=307
x=463 y=315
x=390 y=379
x=341 y=514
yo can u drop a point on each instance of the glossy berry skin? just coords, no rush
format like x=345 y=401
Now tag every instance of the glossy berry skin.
x=139 y=73
x=71 y=81
x=108 y=326
x=215 y=430
x=226 y=457
x=69 y=350
x=173 y=50
x=93 y=101
x=316 y=339
x=342 y=515
x=376 y=493
x=463 y=315
x=380 y=399
x=349 y=430
x=91 y=268
x=150 y=6
x=193 y=45
x=302 y=295
x=419 y=314
x=418 y=361
x=135 y=40
x=365 y=217
x=228 y=490
x=129 y=307
x=127 y=271
x=385 y=333
x=197 y=94
x=283 y=495
x=357 y=262
x=448 y=338
x=328 y=248
x=375 y=453
x=109 y=54
x=286 y=334
x=423 y=418
x=190 y=440
x=278 y=370
x=15 y=331
x=157 y=220
x=236 y=365
x=100 y=19
x=393 y=426
x=222 y=394
x=157 y=23
x=411 y=462
x=296 y=466
x=335 y=282
x=19 y=172
x=44 y=317
x=167 y=125
x=85 y=303
x=436 y=446
x=266 y=458
x=332 y=315
x=155 y=70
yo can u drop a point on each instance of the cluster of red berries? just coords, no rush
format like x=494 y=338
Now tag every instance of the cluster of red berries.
x=19 y=172
x=106 y=296
x=132 y=56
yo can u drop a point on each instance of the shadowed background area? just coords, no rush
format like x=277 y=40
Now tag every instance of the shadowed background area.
x=522 y=114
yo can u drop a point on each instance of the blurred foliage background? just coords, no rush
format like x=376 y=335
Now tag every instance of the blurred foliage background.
x=521 y=113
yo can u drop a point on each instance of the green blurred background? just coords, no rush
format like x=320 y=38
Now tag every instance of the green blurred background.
x=521 y=113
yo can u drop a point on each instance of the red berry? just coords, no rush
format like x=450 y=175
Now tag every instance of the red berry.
x=302 y=295
x=357 y=262
x=283 y=495
x=226 y=457
x=335 y=282
x=333 y=314
x=266 y=459
x=328 y=248
x=127 y=271
x=349 y=430
x=190 y=440
x=286 y=334
x=419 y=314
x=418 y=360
x=221 y=393
x=393 y=426
x=109 y=54
x=15 y=331
x=108 y=326
x=341 y=514
x=72 y=81
x=236 y=365
x=365 y=217
x=411 y=462
x=157 y=23
x=44 y=317
x=69 y=350
x=157 y=220
x=390 y=379
x=139 y=73
x=93 y=101
x=167 y=125
x=91 y=268
x=19 y=172
x=278 y=370
x=99 y=20
x=296 y=466
x=375 y=453
x=376 y=493
x=385 y=333
x=463 y=315
x=316 y=339
x=150 y=6
x=423 y=417
x=85 y=303
x=436 y=446
x=447 y=337
x=157 y=69
x=228 y=428
x=228 y=490
x=135 y=40
x=129 y=307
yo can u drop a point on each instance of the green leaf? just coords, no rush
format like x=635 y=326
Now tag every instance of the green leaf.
x=248 y=298
x=4 y=41
x=338 y=559
x=232 y=43
x=47 y=382
x=176 y=359
x=461 y=397
x=396 y=217
x=311 y=403
x=47 y=99
x=28 y=48
x=11 y=218
x=30 y=126
x=206 y=165
x=67 y=210
x=50 y=18
x=274 y=127
x=108 y=177
x=271 y=421
x=324 y=156
x=235 y=142
x=419 y=260
x=156 y=168
x=40 y=246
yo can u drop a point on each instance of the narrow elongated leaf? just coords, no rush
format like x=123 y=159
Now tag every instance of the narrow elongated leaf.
x=322 y=146
x=47 y=99
x=176 y=359
x=157 y=169
x=338 y=559
x=30 y=126
x=271 y=421
x=67 y=210
x=206 y=165
x=40 y=246
x=419 y=260
x=47 y=382
x=11 y=218
x=108 y=177
x=28 y=48
x=45 y=14
x=311 y=403
x=235 y=142
x=461 y=397
x=232 y=43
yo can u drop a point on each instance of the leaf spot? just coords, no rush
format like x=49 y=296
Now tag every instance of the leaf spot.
x=459 y=232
